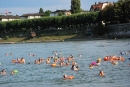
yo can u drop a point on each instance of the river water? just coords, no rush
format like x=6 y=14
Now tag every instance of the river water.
x=43 y=75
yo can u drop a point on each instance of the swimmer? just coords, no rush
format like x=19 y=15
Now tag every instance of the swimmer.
x=22 y=60
x=48 y=60
x=3 y=72
x=94 y=63
x=14 y=71
x=61 y=63
x=33 y=54
x=6 y=54
x=76 y=68
x=11 y=53
x=68 y=77
x=90 y=66
x=29 y=54
x=72 y=67
x=41 y=60
x=114 y=63
x=29 y=63
x=101 y=73
x=67 y=64
x=80 y=55
x=18 y=60
x=74 y=63
x=37 y=62
x=99 y=60
x=55 y=53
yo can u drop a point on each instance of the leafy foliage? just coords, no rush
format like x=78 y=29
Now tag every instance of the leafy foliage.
x=117 y=12
x=47 y=12
x=41 y=10
x=75 y=6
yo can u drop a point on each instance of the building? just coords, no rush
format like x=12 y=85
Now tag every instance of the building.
x=100 y=6
x=31 y=15
x=9 y=18
x=65 y=12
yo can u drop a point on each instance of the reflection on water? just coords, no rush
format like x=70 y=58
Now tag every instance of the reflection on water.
x=32 y=75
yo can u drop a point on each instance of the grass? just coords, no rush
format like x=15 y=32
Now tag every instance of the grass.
x=43 y=36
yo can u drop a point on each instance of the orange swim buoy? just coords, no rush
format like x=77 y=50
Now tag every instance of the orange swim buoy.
x=53 y=65
x=106 y=59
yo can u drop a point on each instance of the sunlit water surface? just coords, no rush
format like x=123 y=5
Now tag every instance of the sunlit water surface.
x=43 y=75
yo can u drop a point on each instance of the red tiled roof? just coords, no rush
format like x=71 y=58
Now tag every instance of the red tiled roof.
x=97 y=6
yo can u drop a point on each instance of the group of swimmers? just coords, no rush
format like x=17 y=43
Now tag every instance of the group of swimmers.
x=22 y=60
x=113 y=59
x=97 y=63
x=3 y=72
x=62 y=61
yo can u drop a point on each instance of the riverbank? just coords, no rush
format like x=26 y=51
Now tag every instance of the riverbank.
x=85 y=39
x=49 y=36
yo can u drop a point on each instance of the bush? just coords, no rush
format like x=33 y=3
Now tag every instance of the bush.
x=42 y=35
x=7 y=37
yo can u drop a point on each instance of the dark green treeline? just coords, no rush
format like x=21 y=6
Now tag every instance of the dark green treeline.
x=69 y=22
x=118 y=12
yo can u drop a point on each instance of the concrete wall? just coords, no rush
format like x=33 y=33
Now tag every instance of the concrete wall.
x=119 y=30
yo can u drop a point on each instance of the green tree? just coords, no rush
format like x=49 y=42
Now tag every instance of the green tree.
x=47 y=12
x=2 y=27
x=60 y=13
x=107 y=13
x=41 y=10
x=75 y=6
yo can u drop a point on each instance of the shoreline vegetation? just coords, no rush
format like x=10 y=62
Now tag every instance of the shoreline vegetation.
x=55 y=36
x=58 y=40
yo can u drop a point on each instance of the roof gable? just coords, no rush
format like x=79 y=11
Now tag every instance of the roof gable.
x=97 y=7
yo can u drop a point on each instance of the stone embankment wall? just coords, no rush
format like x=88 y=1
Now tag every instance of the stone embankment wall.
x=119 y=30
